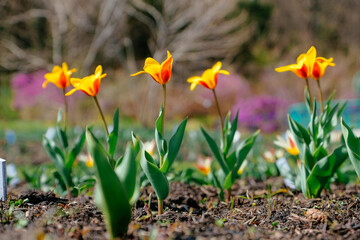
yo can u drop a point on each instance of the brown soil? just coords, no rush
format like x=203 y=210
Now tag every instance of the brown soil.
x=258 y=212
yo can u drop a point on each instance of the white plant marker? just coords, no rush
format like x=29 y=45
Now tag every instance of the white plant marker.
x=3 y=185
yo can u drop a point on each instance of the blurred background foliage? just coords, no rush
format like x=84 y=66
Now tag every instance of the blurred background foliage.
x=250 y=37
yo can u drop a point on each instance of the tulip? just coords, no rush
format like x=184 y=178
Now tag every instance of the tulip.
x=288 y=143
x=303 y=67
x=90 y=85
x=60 y=77
x=209 y=80
x=319 y=68
x=161 y=73
x=204 y=165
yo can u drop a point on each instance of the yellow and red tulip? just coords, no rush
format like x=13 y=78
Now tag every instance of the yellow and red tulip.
x=60 y=76
x=90 y=85
x=288 y=143
x=204 y=165
x=161 y=73
x=304 y=64
x=320 y=66
x=209 y=78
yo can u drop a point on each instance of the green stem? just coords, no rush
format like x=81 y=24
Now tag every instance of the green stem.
x=163 y=120
x=228 y=195
x=220 y=116
x=160 y=207
x=164 y=105
x=102 y=115
x=320 y=96
x=66 y=111
x=308 y=89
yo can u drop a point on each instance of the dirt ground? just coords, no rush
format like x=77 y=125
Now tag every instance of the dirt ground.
x=260 y=210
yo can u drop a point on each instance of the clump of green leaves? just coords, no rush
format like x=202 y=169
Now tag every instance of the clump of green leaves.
x=318 y=162
x=352 y=145
x=156 y=170
x=63 y=155
x=229 y=161
x=117 y=185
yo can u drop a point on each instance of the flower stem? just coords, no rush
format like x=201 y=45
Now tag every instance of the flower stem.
x=320 y=96
x=228 y=199
x=220 y=116
x=160 y=207
x=66 y=111
x=102 y=115
x=164 y=105
x=308 y=89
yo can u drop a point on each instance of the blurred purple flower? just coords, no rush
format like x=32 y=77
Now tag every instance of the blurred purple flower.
x=28 y=91
x=263 y=112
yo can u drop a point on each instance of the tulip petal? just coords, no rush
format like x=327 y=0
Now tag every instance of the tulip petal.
x=224 y=72
x=166 y=69
x=135 y=74
x=71 y=92
x=154 y=71
x=217 y=67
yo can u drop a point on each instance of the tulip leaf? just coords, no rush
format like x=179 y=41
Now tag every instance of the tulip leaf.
x=217 y=184
x=312 y=125
x=61 y=134
x=230 y=133
x=231 y=160
x=216 y=152
x=75 y=151
x=243 y=150
x=156 y=177
x=112 y=141
x=229 y=181
x=301 y=136
x=304 y=173
x=352 y=145
x=174 y=146
x=58 y=159
x=111 y=196
x=161 y=143
x=324 y=169
x=126 y=170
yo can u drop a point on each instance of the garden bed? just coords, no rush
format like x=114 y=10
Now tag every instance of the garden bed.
x=261 y=210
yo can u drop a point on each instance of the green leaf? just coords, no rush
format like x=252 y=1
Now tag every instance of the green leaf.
x=307 y=98
x=352 y=145
x=324 y=170
x=112 y=141
x=243 y=150
x=231 y=160
x=216 y=152
x=308 y=158
x=174 y=146
x=136 y=143
x=229 y=134
x=229 y=181
x=111 y=196
x=313 y=124
x=61 y=134
x=301 y=136
x=75 y=151
x=58 y=159
x=156 y=177
x=304 y=173
x=126 y=171
x=217 y=184
x=161 y=143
